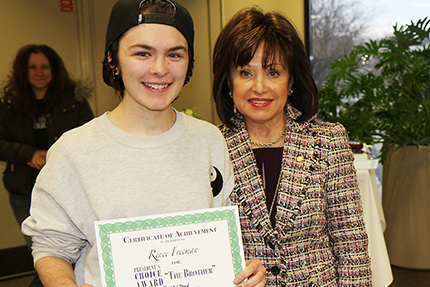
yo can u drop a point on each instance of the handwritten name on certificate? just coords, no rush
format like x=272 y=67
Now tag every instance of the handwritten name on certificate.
x=201 y=248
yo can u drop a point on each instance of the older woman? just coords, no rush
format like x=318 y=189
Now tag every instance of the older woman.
x=295 y=182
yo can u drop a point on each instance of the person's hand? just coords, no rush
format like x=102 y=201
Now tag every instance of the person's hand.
x=255 y=272
x=38 y=160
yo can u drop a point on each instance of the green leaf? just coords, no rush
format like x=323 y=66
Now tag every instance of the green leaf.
x=380 y=90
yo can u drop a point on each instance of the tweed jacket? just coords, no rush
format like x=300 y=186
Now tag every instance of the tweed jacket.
x=319 y=237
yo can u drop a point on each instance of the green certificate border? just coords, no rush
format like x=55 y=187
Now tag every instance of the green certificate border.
x=105 y=230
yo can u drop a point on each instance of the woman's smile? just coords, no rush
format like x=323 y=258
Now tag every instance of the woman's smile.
x=156 y=86
x=260 y=102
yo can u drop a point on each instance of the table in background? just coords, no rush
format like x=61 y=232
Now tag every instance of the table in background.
x=374 y=220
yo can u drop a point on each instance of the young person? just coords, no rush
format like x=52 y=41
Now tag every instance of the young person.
x=142 y=158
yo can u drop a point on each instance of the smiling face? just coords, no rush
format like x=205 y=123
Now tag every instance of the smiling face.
x=259 y=93
x=153 y=62
x=39 y=74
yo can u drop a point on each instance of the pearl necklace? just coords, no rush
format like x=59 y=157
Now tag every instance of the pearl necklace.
x=270 y=143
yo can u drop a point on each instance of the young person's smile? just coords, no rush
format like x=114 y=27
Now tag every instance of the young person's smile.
x=153 y=63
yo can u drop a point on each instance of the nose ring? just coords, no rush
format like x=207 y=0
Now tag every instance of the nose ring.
x=153 y=72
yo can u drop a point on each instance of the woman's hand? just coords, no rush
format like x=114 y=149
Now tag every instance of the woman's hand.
x=255 y=272
x=38 y=160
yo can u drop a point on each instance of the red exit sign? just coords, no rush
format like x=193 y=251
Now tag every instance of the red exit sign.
x=66 y=6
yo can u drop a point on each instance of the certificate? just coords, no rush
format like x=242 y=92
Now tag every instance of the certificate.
x=194 y=248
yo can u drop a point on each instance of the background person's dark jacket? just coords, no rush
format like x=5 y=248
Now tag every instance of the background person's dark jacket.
x=17 y=142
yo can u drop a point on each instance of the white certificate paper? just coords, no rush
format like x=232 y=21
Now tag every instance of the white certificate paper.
x=201 y=248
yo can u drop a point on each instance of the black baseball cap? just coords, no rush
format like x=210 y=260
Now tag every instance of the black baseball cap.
x=126 y=14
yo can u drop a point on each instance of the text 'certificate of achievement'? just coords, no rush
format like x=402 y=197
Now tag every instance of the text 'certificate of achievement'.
x=201 y=248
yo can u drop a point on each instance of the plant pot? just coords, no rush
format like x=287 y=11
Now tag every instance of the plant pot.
x=406 y=203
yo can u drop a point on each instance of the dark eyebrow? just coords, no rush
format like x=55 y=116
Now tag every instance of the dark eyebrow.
x=143 y=46
x=146 y=47
x=177 y=48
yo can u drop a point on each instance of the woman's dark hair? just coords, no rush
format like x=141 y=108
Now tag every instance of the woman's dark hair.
x=148 y=7
x=18 y=84
x=236 y=46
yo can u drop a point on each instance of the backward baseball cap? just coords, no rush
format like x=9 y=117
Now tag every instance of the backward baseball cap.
x=126 y=14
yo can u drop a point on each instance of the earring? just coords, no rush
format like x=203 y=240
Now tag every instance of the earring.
x=115 y=76
x=291 y=91
x=234 y=106
x=187 y=79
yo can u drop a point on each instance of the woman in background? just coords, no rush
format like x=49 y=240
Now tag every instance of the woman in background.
x=39 y=104
x=295 y=183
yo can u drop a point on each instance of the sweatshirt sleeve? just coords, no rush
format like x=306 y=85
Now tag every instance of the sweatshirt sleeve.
x=224 y=170
x=58 y=219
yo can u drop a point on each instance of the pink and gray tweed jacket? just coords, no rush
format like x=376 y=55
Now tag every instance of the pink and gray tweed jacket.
x=319 y=238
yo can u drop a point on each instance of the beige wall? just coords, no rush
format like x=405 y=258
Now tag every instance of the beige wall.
x=293 y=9
x=197 y=94
x=24 y=22
x=79 y=39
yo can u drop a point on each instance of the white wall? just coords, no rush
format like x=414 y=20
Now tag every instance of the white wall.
x=293 y=9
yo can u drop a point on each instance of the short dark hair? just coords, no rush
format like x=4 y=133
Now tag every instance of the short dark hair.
x=154 y=7
x=22 y=90
x=236 y=46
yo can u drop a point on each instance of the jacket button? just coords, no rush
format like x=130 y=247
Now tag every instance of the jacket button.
x=275 y=270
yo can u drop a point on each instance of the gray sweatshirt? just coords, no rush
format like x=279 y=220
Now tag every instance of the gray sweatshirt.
x=99 y=172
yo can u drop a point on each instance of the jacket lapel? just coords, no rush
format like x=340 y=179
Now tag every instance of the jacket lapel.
x=295 y=175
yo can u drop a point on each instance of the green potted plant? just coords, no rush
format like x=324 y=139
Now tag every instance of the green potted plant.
x=380 y=92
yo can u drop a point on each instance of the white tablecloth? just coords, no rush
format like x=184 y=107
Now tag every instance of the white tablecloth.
x=374 y=220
